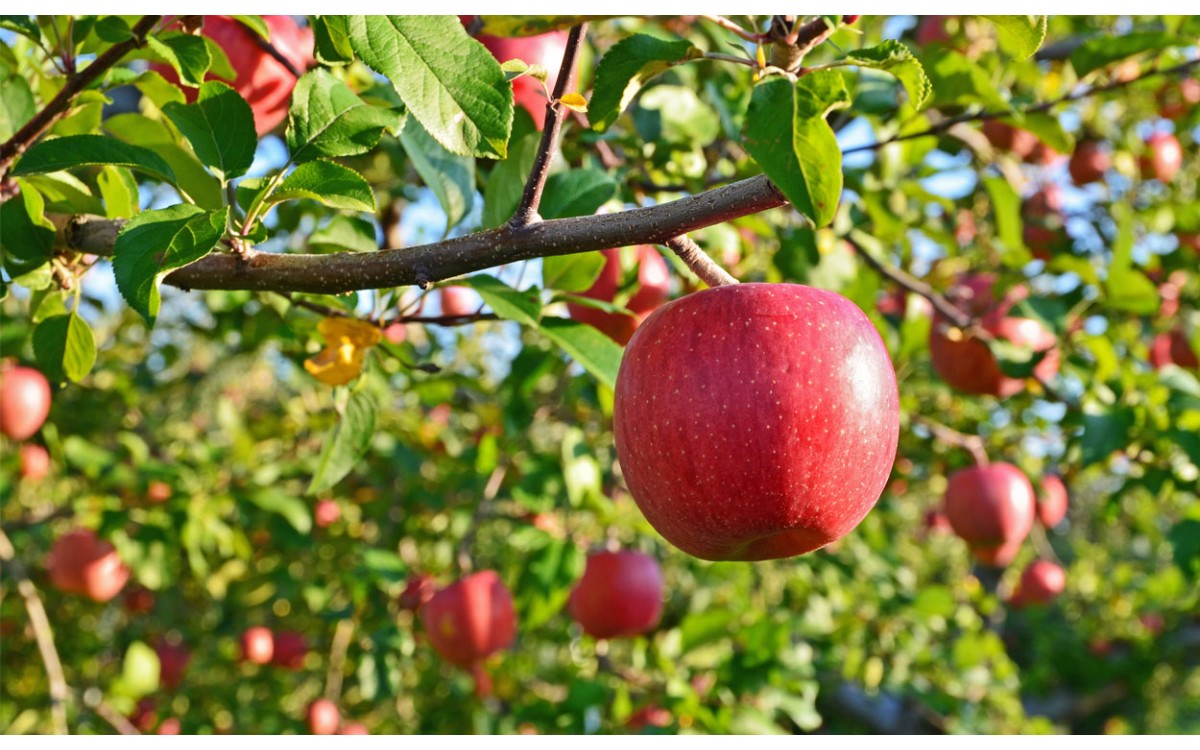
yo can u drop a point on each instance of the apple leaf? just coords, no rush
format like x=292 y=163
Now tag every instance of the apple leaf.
x=786 y=133
x=119 y=191
x=1020 y=36
x=572 y=273
x=344 y=233
x=220 y=128
x=155 y=242
x=328 y=119
x=1016 y=361
x=64 y=347
x=1104 y=431
x=23 y=25
x=16 y=106
x=451 y=177
x=626 y=67
x=1125 y=287
x=546 y=578
x=958 y=80
x=1006 y=205
x=327 y=182
x=446 y=79
x=507 y=179
x=200 y=186
x=331 y=40
x=579 y=192
x=1100 y=51
x=347 y=443
x=897 y=59
x=510 y=26
x=1185 y=544
x=26 y=235
x=91 y=150
x=523 y=306
x=597 y=353
x=1049 y=131
x=139 y=671
x=188 y=55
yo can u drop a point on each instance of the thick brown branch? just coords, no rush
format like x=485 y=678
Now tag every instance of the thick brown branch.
x=61 y=103
x=696 y=259
x=531 y=198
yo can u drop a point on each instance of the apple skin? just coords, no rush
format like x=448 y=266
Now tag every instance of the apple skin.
x=1164 y=157
x=654 y=280
x=395 y=333
x=1020 y=142
x=158 y=492
x=290 y=649
x=1089 y=163
x=173 y=660
x=81 y=563
x=1052 y=502
x=138 y=600
x=470 y=619
x=1041 y=583
x=991 y=508
x=1177 y=100
x=457 y=301
x=418 y=590
x=35 y=462
x=931 y=30
x=258 y=645
x=323 y=717
x=649 y=715
x=261 y=80
x=170 y=726
x=1173 y=348
x=354 y=727
x=756 y=421
x=544 y=49
x=326 y=512
x=24 y=402
x=619 y=596
x=967 y=364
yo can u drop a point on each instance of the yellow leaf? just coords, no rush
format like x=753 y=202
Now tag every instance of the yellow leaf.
x=574 y=102
x=346 y=344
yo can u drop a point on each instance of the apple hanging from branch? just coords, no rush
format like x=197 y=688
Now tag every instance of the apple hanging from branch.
x=619 y=596
x=991 y=508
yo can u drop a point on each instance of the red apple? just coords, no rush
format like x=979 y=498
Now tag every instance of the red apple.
x=654 y=280
x=936 y=521
x=649 y=715
x=419 y=590
x=395 y=333
x=138 y=600
x=258 y=645
x=620 y=595
x=850 y=19
x=1041 y=583
x=931 y=30
x=470 y=619
x=1173 y=348
x=169 y=727
x=1089 y=162
x=260 y=79
x=326 y=512
x=457 y=301
x=1052 y=503
x=24 y=402
x=756 y=421
x=145 y=715
x=1177 y=100
x=323 y=716
x=1005 y=137
x=173 y=660
x=35 y=462
x=158 y=492
x=290 y=649
x=354 y=727
x=81 y=563
x=990 y=508
x=967 y=364
x=1164 y=157
x=545 y=50
x=1189 y=239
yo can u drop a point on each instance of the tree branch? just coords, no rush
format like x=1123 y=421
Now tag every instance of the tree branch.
x=531 y=198
x=972 y=443
x=42 y=632
x=273 y=51
x=913 y=284
x=61 y=103
x=697 y=260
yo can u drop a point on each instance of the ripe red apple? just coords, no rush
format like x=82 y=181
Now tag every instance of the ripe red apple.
x=290 y=649
x=258 y=645
x=931 y=30
x=169 y=726
x=1052 y=502
x=35 y=462
x=24 y=402
x=990 y=508
x=326 y=512
x=354 y=727
x=1041 y=583
x=138 y=600
x=1173 y=348
x=756 y=421
x=1164 y=157
x=173 y=660
x=158 y=492
x=261 y=79
x=470 y=620
x=395 y=333
x=620 y=595
x=323 y=716
x=81 y=563
x=966 y=363
x=1089 y=162
x=1005 y=137
x=848 y=20
x=653 y=287
x=649 y=715
x=458 y=301
x=1177 y=100
x=418 y=590
x=545 y=50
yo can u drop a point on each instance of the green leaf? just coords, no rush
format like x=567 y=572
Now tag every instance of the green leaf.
x=1049 y=131
x=328 y=119
x=1125 y=287
x=1006 y=206
x=958 y=80
x=1016 y=361
x=675 y=114
x=220 y=128
x=256 y=24
x=507 y=180
x=26 y=235
x=1185 y=545
x=897 y=59
x=119 y=190
x=140 y=670
x=348 y=442
x=449 y=176
x=17 y=105
x=190 y=176
x=291 y=508
x=599 y=355
x=786 y=133
x=155 y=242
x=331 y=40
x=113 y=29
x=525 y=307
x=510 y=26
x=546 y=578
x=327 y=182
x=1020 y=36
x=1101 y=51
x=90 y=150
x=64 y=347
x=626 y=67
x=579 y=192
x=446 y=79
x=572 y=273
x=23 y=25
x=187 y=54
x=344 y=233
x=1104 y=431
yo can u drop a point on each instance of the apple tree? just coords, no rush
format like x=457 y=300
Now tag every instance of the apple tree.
x=392 y=374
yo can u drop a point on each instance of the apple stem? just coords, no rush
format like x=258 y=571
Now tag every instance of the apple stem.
x=696 y=259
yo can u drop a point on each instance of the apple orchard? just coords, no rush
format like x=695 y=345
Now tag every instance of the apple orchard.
x=392 y=374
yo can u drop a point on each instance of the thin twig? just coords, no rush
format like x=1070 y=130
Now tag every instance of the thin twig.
x=273 y=51
x=730 y=25
x=115 y=719
x=972 y=443
x=42 y=632
x=531 y=198
x=913 y=284
x=25 y=523
x=342 y=636
x=696 y=259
